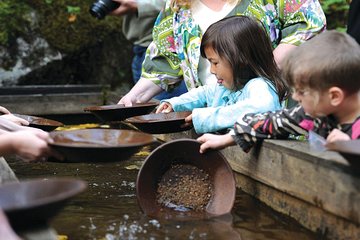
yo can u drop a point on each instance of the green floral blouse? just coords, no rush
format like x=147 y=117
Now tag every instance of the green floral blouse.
x=175 y=51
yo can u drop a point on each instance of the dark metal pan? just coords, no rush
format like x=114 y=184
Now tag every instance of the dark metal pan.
x=158 y=123
x=118 y=112
x=35 y=202
x=186 y=151
x=99 y=145
x=39 y=122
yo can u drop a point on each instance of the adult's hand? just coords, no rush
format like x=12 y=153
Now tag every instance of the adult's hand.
x=142 y=92
x=126 y=7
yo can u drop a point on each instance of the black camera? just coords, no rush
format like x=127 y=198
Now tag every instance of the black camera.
x=101 y=8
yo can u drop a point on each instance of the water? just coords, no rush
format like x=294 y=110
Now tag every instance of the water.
x=108 y=209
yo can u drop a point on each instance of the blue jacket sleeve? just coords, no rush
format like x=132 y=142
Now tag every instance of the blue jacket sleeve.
x=195 y=98
x=257 y=96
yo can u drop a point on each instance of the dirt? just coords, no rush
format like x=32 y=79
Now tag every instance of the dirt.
x=185 y=186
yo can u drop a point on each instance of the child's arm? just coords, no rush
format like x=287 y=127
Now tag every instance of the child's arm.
x=257 y=96
x=271 y=125
x=214 y=141
x=195 y=98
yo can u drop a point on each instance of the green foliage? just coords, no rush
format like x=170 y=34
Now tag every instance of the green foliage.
x=336 y=12
x=68 y=26
x=73 y=10
x=14 y=17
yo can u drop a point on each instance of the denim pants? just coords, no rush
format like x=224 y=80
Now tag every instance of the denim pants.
x=139 y=56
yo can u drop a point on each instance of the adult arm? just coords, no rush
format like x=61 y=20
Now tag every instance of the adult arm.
x=281 y=51
x=161 y=67
x=300 y=22
x=141 y=92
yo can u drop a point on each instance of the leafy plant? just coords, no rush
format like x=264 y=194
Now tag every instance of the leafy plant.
x=336 y=12
x=13 y=19
x=73 y=10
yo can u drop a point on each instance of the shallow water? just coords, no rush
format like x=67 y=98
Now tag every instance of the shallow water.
x=108 y=209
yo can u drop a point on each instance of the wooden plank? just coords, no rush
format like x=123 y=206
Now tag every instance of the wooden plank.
x=52 y=89
x=324 y=180
x=51 y=103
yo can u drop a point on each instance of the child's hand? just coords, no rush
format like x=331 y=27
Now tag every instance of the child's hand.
x=15 y=119
x=164 y=107
x=188 y=121
x=31 y=146
x=215 y=141
x=337 y=135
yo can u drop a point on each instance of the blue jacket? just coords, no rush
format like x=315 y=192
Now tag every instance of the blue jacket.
x=215 y=108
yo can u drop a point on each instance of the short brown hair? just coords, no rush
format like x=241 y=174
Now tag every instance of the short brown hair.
x=329 y=59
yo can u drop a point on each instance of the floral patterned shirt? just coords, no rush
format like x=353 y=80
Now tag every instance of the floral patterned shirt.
x=175 y=51
x=280 y=124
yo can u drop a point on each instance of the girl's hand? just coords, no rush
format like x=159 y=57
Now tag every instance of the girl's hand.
x=164 y=107
x=188 y=121
x=213 y=141
x=337 y=135
x=4 y=110
x=15 y=119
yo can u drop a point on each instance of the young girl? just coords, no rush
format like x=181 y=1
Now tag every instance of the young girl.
x=248 y=79
x=325 y=74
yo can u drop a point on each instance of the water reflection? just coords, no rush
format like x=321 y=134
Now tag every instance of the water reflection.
x=108 y=210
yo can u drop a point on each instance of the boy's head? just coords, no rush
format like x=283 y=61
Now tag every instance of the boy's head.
x=327 y=60
x=325 y=68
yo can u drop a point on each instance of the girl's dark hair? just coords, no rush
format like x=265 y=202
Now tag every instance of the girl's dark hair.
x=244 y=43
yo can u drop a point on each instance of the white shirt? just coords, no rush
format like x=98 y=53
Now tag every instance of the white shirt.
x=204 y=17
